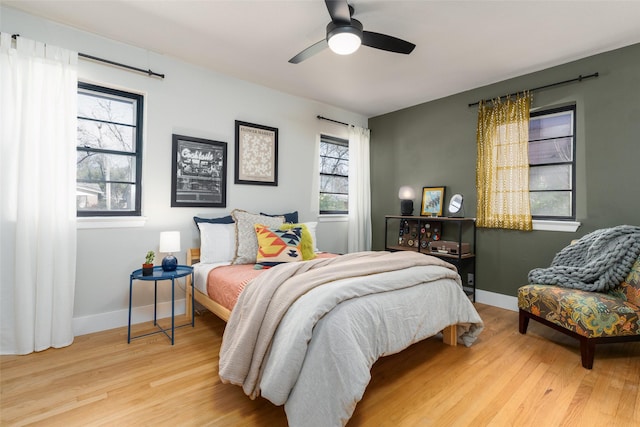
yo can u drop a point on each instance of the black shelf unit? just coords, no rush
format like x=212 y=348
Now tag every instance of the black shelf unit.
x=416 y=233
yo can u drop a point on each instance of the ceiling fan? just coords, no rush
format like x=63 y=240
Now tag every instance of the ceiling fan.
x=345 y=35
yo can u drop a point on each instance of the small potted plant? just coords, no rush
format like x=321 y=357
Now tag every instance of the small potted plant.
x=147 y=267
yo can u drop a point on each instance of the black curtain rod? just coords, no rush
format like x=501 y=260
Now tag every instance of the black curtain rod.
x=115 y=64
x=577 y=79
x=331 y=120
x=334 y=121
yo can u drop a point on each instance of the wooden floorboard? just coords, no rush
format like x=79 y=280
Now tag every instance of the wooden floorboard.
x=504 y=379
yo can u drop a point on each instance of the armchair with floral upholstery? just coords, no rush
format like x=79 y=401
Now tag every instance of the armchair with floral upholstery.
x=589 y=316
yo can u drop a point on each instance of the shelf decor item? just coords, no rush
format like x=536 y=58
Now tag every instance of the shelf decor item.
x=147 y=266
x=169 y=243
x=455 y=206
x=432 y=201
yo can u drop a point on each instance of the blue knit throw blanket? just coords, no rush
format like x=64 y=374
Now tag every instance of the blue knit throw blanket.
x=598 y=262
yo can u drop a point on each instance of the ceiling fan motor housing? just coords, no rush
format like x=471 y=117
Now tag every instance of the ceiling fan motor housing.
x=355 y=27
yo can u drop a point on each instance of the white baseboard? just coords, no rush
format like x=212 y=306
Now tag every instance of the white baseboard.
x=116 y=319
x=497 y=300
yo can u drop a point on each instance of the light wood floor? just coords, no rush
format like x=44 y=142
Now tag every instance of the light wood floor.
x=504 y=379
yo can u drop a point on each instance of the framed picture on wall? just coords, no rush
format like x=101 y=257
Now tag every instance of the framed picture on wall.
x=432 y=200
x=198 y=172
x=256 y=154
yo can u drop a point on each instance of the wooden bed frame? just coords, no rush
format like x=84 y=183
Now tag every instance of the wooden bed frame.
x=193 y=256
x=449 y=334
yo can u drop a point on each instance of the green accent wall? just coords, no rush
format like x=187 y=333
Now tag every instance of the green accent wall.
x=434 y=144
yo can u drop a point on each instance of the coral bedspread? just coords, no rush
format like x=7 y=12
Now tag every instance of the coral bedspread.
x=226 y=282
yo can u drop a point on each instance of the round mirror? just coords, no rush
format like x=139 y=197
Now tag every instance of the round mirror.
x=455 y=204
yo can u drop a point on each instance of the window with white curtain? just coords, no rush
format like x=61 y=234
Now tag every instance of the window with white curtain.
x=334 y=175
x=109 y=152
x=552 y=163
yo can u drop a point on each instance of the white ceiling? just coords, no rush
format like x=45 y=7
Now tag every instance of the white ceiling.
x=461 y=45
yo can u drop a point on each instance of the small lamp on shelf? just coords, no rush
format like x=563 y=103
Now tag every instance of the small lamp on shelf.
x=406 y=195
x=169 y=243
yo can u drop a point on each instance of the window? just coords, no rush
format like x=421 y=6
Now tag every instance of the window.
x=334 y=175
x=552 y=163
x=109 y=150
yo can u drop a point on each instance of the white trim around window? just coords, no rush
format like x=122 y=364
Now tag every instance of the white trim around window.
x=90 y=222
x=547 y=225
x=333 y=217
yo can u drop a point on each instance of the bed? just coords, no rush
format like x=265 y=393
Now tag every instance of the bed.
x=306 y=334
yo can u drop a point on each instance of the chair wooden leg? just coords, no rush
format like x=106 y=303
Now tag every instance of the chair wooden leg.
x=523 y=321
x=587 y=352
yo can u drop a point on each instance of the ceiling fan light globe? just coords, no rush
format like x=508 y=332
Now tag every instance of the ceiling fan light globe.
x=344 y=43
x=344 y=39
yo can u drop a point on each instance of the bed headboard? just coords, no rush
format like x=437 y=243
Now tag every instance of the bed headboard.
x=193 y=256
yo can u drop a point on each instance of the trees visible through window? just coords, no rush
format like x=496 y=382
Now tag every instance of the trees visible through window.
x=334 y=175
x=109 y=152
x=552 y=163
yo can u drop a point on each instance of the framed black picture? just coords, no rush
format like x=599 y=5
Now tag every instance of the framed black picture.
x=256 y=154
x=198 y=172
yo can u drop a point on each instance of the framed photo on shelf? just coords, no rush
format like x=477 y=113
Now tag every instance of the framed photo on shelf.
x=256 y=154
x=432 y=201
x=198 y=172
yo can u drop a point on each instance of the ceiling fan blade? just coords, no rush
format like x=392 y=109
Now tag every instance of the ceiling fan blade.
x=385 y=42
x=310 y=51
x=339 y=11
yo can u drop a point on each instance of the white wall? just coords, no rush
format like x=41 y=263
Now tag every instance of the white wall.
x=195 y=102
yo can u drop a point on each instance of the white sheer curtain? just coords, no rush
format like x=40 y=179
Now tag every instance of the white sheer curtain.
x=359 y=226
x=38 y=91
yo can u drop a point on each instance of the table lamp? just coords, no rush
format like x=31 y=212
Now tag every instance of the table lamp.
x=406 y=195
x=169 y=243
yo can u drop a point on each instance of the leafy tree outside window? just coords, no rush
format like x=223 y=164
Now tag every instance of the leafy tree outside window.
x=109 y=152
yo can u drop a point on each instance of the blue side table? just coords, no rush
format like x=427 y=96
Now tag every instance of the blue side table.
x=160 y=274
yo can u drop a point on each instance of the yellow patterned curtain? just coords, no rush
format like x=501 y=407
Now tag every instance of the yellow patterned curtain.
x=502 y=168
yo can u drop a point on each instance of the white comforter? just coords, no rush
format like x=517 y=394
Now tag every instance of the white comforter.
x=319 y=361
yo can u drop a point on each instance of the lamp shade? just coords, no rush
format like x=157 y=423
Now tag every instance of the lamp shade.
x=406 y=193
x=169 y=241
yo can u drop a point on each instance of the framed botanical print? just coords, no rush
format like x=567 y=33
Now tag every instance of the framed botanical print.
x=198 y=172
x=256 y=154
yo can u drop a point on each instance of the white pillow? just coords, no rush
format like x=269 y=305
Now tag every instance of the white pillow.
x=311 y=226
x=246 y=240
x=217 y=242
